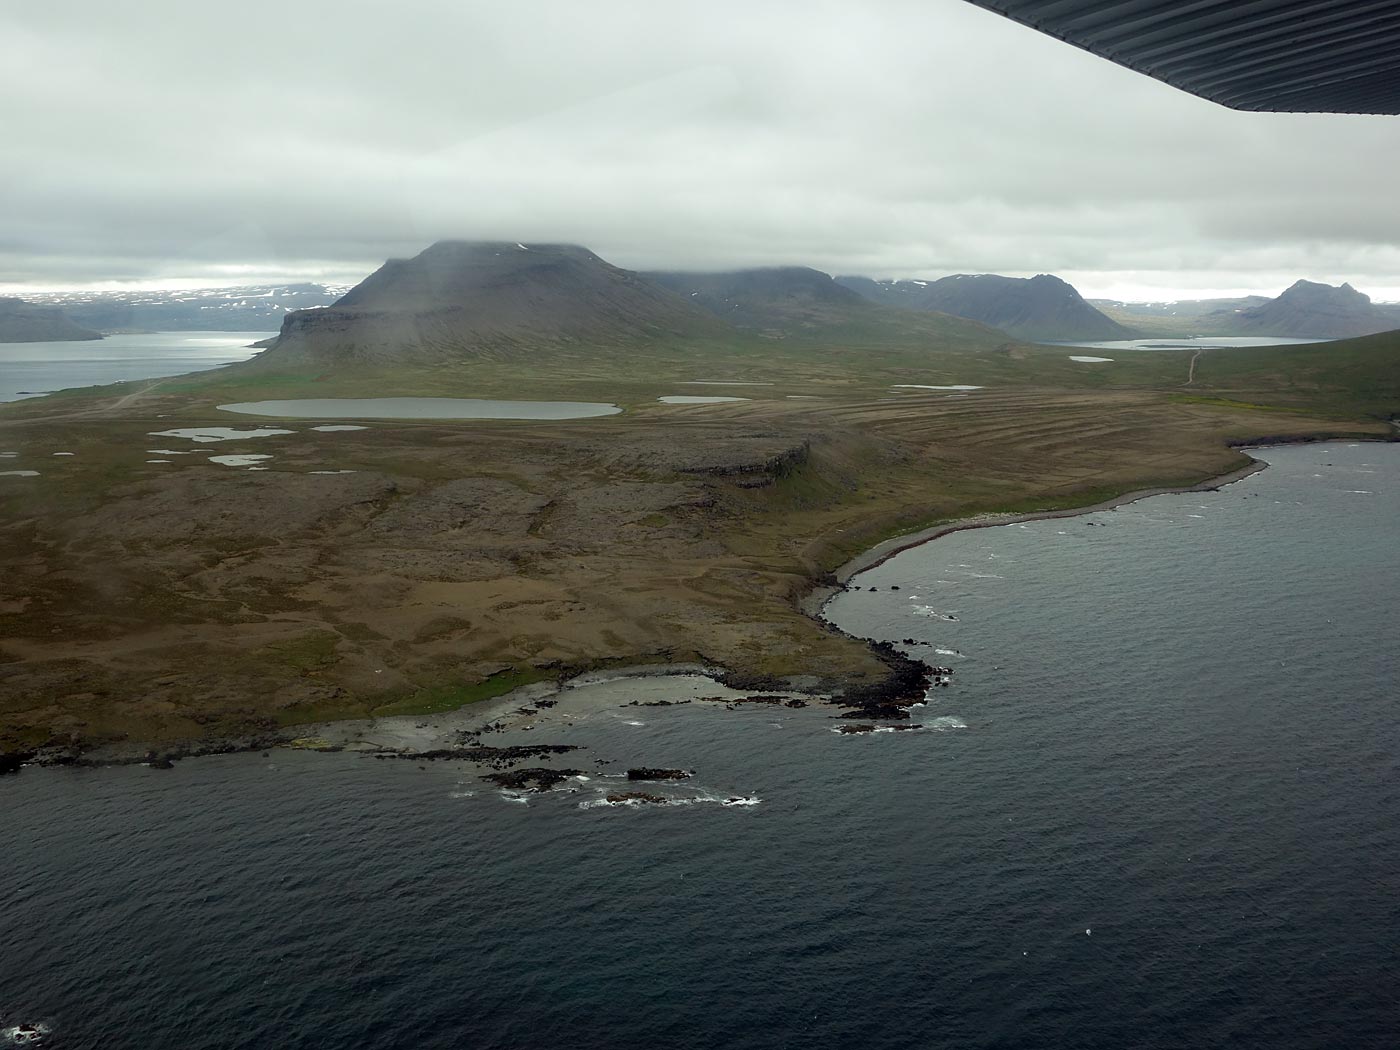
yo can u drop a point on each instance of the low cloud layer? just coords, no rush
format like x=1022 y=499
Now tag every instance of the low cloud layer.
x=895 y=138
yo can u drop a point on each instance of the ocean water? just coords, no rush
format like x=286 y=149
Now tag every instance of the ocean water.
x=1158 y=807
x=27 y=369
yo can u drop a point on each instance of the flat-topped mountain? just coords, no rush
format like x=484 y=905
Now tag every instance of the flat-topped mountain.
x=485 y=298
x=1309 y=310
x=25 y=322
x=1034 y=308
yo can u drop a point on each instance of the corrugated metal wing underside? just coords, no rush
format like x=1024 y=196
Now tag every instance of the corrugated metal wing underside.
x=1287 y=56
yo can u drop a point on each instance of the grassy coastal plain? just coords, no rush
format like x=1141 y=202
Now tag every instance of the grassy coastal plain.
x=151 y=602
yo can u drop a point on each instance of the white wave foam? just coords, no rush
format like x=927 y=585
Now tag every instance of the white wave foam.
x=947 y=722
x=515 y=796
x=25 y=1034
x=632 y=723
x=947 y=652
x=933 y=614
x=639 y=803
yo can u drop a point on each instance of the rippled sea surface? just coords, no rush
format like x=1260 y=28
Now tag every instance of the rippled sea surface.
x=1159 y=806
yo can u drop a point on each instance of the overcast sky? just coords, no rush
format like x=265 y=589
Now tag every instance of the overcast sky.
x=163 y=139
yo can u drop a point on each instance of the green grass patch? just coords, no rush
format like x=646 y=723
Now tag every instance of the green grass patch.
x=449 y=697
x=304 y=653
x=1225 y=402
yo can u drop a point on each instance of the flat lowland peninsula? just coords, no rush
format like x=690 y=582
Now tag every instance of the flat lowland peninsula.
x=149 y=593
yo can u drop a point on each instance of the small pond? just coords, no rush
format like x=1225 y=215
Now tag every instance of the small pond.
x=422 y=408
x=688 y=399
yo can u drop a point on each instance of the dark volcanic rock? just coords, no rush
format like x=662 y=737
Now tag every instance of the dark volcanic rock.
x=537 y=779
x=11 y=761
x=636 y=796
x=907 y=685
x=493 y=756
x=646 y=773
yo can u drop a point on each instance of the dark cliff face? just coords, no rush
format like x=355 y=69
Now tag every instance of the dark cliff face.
x=22 y=322
x=1036 y=308
x=1309 y=310
x=767 y=298
x=487 y=298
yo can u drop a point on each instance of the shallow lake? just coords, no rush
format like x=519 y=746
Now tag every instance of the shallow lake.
x=1164 y=342
x=422 y=408
x=27 y=369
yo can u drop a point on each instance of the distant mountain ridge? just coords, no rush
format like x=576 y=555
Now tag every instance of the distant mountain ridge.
x=1305 y=310
x=239 y=308
x=489 y=298
x=25 y=322
x=1041 y=308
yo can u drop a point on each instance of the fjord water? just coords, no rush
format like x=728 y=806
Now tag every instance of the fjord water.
x=1163 y=811
x=39 y=368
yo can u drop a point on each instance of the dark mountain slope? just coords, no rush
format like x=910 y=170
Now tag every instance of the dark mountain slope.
x=770 y=298
x=1035 y=308
x=485 y=298
x=796 y=302
x=22 y=322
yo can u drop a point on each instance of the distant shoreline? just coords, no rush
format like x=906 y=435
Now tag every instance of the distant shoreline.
x=815 y=602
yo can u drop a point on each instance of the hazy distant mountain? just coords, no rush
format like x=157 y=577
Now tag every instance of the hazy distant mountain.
x=772 y=298
x=236 y=309
x=1309 y=310
x=25 y=322
x=1305 y=311
x=1035 y=308
x=489 y=298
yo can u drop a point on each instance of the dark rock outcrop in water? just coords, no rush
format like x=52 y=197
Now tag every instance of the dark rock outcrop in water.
x=1309 y=310
x=12 y=761
x=1034 y=308
x=487 y=299
x=497 y=757
x=537 y=779
x=23 y=322
x=647 y=773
